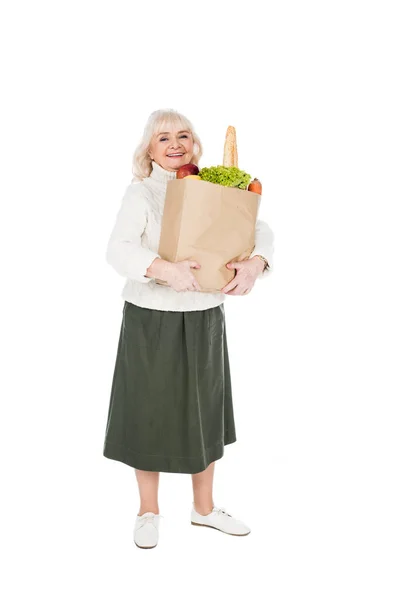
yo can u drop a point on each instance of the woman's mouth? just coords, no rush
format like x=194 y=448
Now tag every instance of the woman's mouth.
x=175 y=155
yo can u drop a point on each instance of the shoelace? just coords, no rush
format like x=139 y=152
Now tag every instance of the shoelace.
x=220 y=511
x=148 y=519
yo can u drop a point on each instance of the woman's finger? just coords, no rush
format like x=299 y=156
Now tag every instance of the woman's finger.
x=234 y=292
x=230 y=286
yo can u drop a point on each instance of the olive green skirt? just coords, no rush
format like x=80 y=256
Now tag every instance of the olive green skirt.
x=171 y=399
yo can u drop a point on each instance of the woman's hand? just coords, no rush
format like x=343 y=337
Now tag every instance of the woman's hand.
x=247 y=273
x=180 y=278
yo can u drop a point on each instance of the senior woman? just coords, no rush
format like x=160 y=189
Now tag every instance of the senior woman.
x=171 y=406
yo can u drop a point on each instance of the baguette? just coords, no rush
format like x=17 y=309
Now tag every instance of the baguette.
x=230 y=148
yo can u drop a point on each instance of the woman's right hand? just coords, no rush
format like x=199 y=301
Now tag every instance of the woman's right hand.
x=180 y=277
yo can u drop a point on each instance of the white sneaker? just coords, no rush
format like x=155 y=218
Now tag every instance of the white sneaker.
x=146 y=530
x=218 y=518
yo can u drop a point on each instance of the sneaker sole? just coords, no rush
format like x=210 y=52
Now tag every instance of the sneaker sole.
x=145 y=547
x=222 y=531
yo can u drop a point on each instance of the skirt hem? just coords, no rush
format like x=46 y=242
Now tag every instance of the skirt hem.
x=166 y=464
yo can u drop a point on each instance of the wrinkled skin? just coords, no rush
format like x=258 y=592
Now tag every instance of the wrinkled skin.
x=246 y=275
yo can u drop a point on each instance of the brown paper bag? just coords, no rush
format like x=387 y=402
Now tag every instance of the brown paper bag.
x=210 y=223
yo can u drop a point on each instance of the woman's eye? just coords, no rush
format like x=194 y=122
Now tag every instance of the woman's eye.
x=164 y=138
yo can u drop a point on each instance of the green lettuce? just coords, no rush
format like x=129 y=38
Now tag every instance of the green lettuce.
x=229 y=176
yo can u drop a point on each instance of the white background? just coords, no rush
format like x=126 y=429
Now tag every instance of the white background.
x=313 y=91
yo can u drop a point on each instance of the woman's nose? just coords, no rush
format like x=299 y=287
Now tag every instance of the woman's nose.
x=174 y=144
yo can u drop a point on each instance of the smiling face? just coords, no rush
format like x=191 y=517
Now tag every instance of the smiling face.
x=172 y=149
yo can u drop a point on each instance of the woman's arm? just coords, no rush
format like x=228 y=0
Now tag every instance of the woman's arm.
x=124 y=250
x=264 y=245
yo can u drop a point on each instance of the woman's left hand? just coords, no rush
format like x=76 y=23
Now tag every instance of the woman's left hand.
x=247 y=273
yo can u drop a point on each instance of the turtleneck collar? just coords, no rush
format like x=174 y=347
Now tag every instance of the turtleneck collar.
x=160 y=174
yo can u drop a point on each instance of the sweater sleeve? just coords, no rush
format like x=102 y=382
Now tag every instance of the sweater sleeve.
x=264 y=245
x=124 y=251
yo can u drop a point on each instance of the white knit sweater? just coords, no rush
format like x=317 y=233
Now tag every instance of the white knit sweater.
x=134 y=241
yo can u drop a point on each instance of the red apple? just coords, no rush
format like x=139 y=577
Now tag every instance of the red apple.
x=189 y=169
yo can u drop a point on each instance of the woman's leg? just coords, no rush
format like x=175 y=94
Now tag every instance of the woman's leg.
x=148 y=491
x=202 y=490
